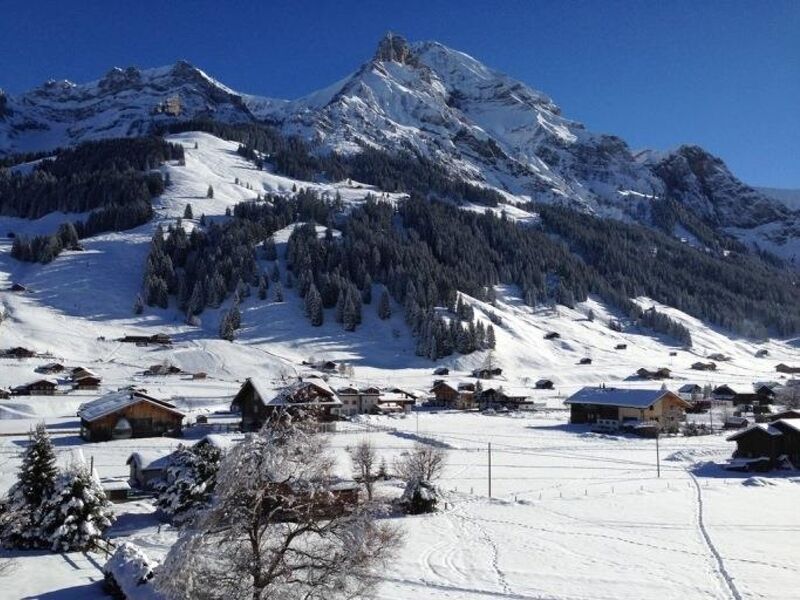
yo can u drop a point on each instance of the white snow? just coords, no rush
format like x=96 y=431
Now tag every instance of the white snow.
x=574 y=514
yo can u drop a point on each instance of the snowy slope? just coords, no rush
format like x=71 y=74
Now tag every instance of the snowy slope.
x=480 y=124
x=84 y=296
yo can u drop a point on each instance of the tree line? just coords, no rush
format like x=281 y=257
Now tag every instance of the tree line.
x=109 y=179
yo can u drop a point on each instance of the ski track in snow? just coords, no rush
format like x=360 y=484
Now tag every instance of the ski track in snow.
x=722 y=572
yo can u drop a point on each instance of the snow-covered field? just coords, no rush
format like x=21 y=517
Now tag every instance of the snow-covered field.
x=574 y=514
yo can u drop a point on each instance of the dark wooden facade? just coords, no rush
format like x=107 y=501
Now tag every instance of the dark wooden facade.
x=299 y=402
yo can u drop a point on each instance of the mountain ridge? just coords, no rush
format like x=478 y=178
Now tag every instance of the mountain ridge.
x=478 y=123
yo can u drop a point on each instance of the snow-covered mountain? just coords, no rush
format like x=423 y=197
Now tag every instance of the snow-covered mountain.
x=482 y=125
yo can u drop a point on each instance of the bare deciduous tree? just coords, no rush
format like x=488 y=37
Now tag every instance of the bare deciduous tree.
x=275 y=530
x=423 y=463
x=364 y=460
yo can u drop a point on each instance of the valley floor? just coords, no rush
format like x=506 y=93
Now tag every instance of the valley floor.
x=574 y=515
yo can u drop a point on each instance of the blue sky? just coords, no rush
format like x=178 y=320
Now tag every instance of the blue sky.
x=722 y=74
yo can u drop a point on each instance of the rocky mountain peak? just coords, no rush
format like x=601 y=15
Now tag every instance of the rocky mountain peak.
x=394 y=48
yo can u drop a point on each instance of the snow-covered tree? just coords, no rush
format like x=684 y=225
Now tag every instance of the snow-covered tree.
x=384 y=306
x=314 y=306
x=77 y=513
x=262 y=288
x=490 y=339
x=189 y=481
x=419 y=497
x=21 y=519
x=364 y=460
x=277 y=292
x=138 y=305
x=275 y=531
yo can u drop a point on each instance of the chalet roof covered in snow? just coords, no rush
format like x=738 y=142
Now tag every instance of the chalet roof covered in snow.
x=628 y=398
x=110 y=403
x=150 y=460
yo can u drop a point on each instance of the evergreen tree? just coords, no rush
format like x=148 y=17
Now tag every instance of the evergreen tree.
x=189 y=481
x=210 y=192
x=275 y=275
x=490 y=339
x=384 y=306
x=77 y=513
x=138 y=305
x=277 y=293
x=313 y=303
x=20 y=521
x=349 y=314
x=187 y=212
x=270 y=252
x=262 y=288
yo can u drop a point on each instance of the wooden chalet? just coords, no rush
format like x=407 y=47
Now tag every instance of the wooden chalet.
x=545 y=384
x=40 y=387
x=441 y=371
x=161 y=339
x=79 y=372
x=719 y=357
x=487 y=373
x=784 y=368
x=769 y=443
x=704 y=366
x=4 y=394
x=18 y=352
x=621 y=347
x=128 y=414
x=395 y=401
x=786 y=414
x=148 y=467
x=312 y=399
x=762 y=353
x=690 y=392
x=87 y=382
x=163 y=369
x=591 y=405
x=50 y=368
x=585 y=361
x=505 y=397
x=761 y=397
x=552 y=335
x=723 y=393
x=662 y=373
x=458 y=396
x=358 y=401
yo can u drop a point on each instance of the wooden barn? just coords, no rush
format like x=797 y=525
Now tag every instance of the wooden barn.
x=311 y=399
x=487 y=373
x=460 y=396
x=723 y=393
x=545 y=384
x=771 y=441
x=19 y=352
x=128 y=414
x=592 y=404
x=662 y=373
x=690 y=392
x=50 y=368
x=147 y=467
x=87 y=382
x=40 y=387
x=161 y=339
x=704 y=366
x=784 y=368
x=511 y=398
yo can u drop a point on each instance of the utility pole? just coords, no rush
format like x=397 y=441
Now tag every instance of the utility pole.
x=658 y=457
x=417 y=411
x=490 y=470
